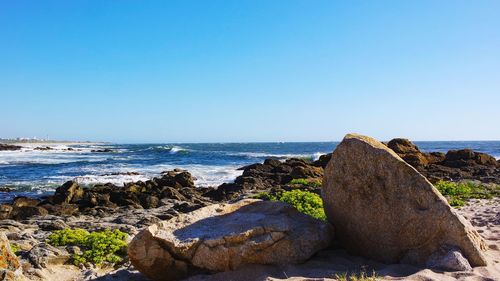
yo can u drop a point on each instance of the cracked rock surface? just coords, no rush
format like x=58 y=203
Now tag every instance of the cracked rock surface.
x=224 y=237
x=384 y=209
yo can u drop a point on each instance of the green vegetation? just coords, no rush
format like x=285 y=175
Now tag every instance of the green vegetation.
x=97 y=247
x=306 y=182
x=362 y=276
x=457 y=193
x=266 y=196
x=15 y=248
x=306 y=202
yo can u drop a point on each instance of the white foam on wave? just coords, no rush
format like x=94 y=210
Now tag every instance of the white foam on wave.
x=58 y=154
x=45 y=157
x=175 y=149
x=29 y=186
x=213 y=175
x=314 y=156
x=116 y=173
x=206 y=175
x=118 y=179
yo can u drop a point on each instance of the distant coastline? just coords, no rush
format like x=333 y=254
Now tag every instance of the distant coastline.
x=40 y=141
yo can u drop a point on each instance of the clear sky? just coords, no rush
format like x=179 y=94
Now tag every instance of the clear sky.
x=256 y=70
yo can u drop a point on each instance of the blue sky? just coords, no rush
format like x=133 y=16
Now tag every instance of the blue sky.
x=259 y=70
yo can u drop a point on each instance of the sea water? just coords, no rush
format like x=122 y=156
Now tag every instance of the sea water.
x=33 y=172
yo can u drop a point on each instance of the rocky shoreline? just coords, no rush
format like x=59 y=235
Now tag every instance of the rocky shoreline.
x=27 y=222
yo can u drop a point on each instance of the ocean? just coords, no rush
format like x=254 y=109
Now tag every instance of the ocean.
x=35 y=173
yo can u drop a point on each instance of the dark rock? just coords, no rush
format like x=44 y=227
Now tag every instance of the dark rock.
x=282 y=169
x=467 y=157
x=435 y=157
x=172 y=193
x=409 y=152
x=402 y=146
x=272 y=162
x=102 y=150
x=22 y=213
x=43 y=148
x=249 y=182
x=62 y=209
x=68 y=192
x=184 y=179
x=225 y=191
x=51 y=225
x=7 y=147
x=301 y=172
x=295 y=162
x=187 y=207
x=5 y=211
x=257 y=168
x=323 y=160
x=134 y=187
x=456 y=165
x=22 y=201
x=175 y=179
x=122 y=174
x=148 y=201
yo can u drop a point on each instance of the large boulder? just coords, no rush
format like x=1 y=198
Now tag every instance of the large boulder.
x=382 y=208
x=223 y=237
x=10 y=267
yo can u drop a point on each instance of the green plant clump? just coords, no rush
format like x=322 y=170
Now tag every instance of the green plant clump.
x=15 y=248
x=266 y=196
x=306 y=202
x=362 y=276
x=97 y=247
x=457 y=193
x=306 y=182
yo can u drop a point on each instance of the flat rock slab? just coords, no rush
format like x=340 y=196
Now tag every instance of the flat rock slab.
x=223 y=237
x=384 y=209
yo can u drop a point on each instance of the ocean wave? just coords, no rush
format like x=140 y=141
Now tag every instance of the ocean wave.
x=177 y=149
x=116 y=179
x=172 y=149
x=313 y=157
x=37 y=158
x=28 y=189
x=205 y=175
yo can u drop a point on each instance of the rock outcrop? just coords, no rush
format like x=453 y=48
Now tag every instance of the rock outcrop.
x=223 y=237
x=467 y=157
x=384 y=209
x=9 y=147
x=455 y=165
x=272 y=174
x=10 y=267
